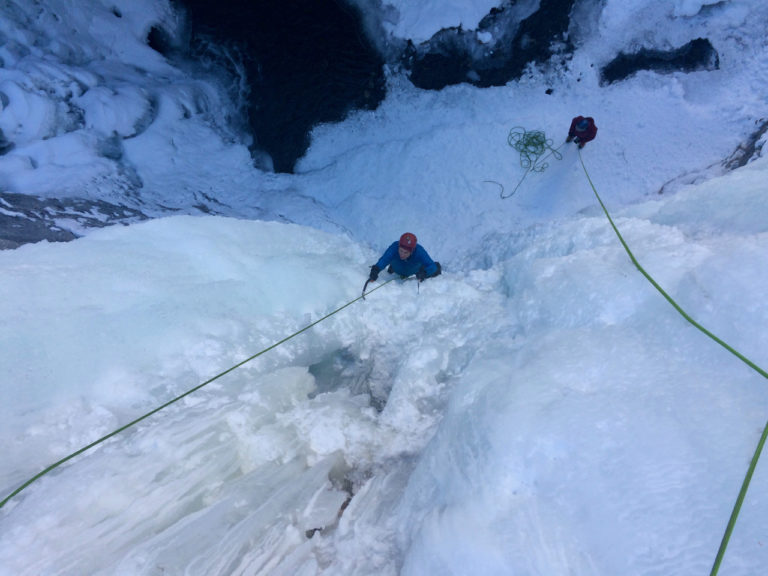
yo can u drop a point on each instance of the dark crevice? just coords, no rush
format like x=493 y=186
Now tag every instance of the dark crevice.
x=306 y=62
x=343 y=369
x=159 y=40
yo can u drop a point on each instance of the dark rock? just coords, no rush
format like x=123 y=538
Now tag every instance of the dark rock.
x=436 y=70
x=749 y=150
x=26 y=219
x=454 y=55
x=696 y=55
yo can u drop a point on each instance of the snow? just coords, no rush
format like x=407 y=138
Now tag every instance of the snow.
x=418 y=21
x=537 y=409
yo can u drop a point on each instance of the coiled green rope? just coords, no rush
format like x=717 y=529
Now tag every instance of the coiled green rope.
x=534 y=148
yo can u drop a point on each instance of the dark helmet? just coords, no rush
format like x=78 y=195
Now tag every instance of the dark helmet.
x=408 y=241
x=582 y=125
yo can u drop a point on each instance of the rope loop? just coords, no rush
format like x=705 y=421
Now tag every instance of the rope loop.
x=534 y=148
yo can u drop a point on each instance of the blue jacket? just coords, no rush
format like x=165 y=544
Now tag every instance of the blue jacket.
x=411 y=265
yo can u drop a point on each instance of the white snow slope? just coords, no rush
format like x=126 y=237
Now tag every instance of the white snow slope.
x=539 y=409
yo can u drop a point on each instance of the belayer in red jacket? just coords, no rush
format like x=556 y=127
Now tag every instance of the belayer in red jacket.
x=582 y=130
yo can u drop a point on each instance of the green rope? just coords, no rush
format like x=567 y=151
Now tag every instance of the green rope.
x=185 y=394
x=755 y=367
x=533 y=147
x=739 y=502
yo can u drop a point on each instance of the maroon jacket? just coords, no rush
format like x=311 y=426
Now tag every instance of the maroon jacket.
x=584 y=136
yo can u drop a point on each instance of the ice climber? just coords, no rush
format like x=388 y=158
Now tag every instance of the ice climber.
x=406 y=257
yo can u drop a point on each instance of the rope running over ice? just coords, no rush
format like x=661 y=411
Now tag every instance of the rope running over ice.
x=185 y=394
x=755 y=367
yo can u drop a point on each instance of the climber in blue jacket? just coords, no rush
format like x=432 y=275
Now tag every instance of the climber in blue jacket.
x=406 y=257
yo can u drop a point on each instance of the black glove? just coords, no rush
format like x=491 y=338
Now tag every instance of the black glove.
x=569 y=138
x=374 y=273
x=421 y=275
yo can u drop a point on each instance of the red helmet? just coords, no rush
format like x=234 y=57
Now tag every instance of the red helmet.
x=408 y=241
